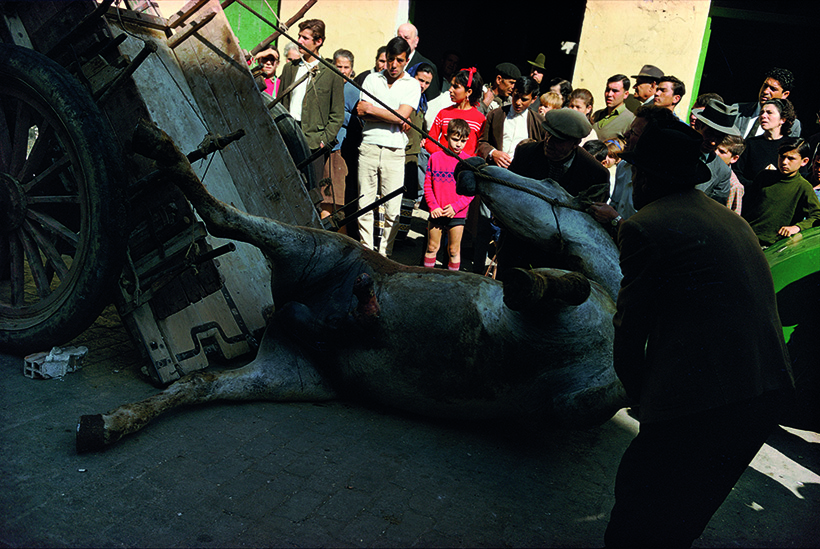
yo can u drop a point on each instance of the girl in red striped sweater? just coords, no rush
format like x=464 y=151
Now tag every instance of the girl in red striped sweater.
x=465 y=93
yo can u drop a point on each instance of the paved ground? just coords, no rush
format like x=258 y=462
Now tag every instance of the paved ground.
x=335 y=475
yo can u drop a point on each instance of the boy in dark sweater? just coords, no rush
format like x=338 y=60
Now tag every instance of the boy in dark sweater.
x=782 y=202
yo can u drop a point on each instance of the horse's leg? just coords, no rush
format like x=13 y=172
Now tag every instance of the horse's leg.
x=281 y=372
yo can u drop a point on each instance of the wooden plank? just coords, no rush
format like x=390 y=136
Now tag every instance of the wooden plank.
x=138 y=18
x=161 y=94
x=145 y=330
x=262 y=169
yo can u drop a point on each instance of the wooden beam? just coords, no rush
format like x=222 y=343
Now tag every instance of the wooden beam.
x=267 y=41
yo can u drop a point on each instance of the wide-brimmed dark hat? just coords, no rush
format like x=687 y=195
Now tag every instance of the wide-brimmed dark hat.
x=566 y=124
x=671 y=152
x=719 y=116
x=649 y=71
x=540 y=59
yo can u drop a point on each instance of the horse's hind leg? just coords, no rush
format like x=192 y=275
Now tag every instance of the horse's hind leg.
x=281 y=372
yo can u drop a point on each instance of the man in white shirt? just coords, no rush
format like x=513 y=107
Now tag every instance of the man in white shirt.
x=381 y=155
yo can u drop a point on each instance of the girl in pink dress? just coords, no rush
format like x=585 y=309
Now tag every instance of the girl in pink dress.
x=448 y=209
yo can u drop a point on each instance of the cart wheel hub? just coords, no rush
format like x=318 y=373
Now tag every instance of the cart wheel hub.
x=13 y=202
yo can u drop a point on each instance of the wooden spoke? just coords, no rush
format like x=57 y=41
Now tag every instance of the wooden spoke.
x=22 y=123
x=54 y=227
x=49 y=250
x=68 y=199
x=39 y=152
x=5 y=141
x=17 y=272
x=54 y=170
x=35 y=263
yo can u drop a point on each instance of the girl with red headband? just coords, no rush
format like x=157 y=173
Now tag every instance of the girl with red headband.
x=465 y=93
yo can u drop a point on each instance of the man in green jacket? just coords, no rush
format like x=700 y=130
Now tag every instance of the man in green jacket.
x=316 y=102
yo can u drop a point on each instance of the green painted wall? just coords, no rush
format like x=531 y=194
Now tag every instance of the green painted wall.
x=249 y=29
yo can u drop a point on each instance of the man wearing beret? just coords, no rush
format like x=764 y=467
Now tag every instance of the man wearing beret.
x=693 y=270
x=499 y=93
x=557 y=157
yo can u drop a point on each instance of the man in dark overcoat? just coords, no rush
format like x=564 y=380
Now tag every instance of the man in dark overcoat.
x=698 y=346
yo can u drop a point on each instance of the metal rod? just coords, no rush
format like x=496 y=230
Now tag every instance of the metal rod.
x=212 y=144
x=178 y=39
x=180 y=17
x=319 y=152
x=373 y=206
x=267 y=41
x=213 y=254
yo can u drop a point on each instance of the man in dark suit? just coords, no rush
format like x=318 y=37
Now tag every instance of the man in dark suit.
x=521 y=123
x=646 y=83
x=316 y=102
x=557 y=157
x=410 y=33
x=777 y=84
x=698 y=346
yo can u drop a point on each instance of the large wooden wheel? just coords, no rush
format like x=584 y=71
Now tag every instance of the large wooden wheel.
x=62 y=215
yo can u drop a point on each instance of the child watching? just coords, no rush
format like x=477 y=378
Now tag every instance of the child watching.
x=465 y=93
x=729 y=151
x=549 y=101
x=782 y=202
x=614 y=148
x=608 y=153
x=448 y=209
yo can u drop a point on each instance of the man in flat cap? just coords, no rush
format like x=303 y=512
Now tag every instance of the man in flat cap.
x=498 y=93
x=646 y=83
x=557 y=157
x=693 y=270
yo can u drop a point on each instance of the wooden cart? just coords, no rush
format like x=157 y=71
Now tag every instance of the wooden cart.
x=83 y=224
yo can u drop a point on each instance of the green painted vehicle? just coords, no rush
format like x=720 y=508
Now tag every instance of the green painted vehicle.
x=795 y=265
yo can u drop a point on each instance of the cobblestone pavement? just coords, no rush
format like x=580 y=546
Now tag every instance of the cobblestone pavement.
x=334 y=475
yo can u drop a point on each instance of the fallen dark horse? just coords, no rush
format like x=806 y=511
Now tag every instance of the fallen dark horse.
x=352 y=324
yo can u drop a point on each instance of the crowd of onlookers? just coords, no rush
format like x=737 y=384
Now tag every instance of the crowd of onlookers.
x=711 y=190
x=760 y=166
